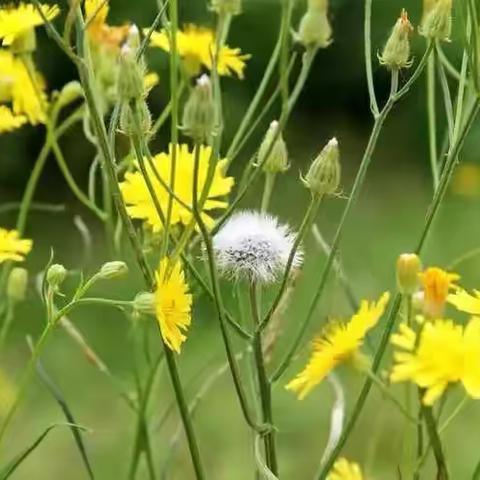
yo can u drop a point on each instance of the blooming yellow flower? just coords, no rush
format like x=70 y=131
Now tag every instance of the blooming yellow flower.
x=436 y=287
x=339 y=343
x=139 y=201
x=173 y=304
x=446 y=353
x=16 y=21
x=196 y=45
x=12 y=247
x=465 y=302
x=16 y=86
x=9 y=121
x=345 y=470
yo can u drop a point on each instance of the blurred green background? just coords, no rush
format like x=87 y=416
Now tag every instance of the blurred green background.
x=387 y=221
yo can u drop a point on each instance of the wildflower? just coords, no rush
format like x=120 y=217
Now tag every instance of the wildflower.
x=396 y=53
x=345 y=470
x=9 y=121
x=12 y=247
x=465 y=302
x=197 y=47
x=339 y=343
x=173 y=304
x=255 y=247
x=436 y=286
x=315 y=30
x=139 y=201
x=17 y=21
x=446 y=354
x=409 y=267
x=273 y=157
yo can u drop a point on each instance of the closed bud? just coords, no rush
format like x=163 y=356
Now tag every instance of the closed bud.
x=17 y=284
x=323 y=177
x=272 y=154
x=396 y=53
x=409 y=267
x=315 y=30
x=56 y=274
x=437 y=20
x=199 y=111
x=144 y=303
x=70 y=92
x=227 y=7
x=112 y=270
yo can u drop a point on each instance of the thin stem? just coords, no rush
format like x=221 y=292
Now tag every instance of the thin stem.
x=368 y=57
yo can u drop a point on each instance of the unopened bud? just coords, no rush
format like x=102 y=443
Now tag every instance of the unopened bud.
x=112 y=270
x=437 y=20
x=409 y=267
x=199 y=111
x=315 y=30
x=227 y=7
x=17 y=284
x=56 y=274
x=272 y=154
x=396 y=53
x=144 y=303
x=323 y=177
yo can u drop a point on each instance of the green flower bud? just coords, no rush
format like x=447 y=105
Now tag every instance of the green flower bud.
x=199 y=111
x=70 y=92
x=17 y=284
x=315 y=29
x=323 y=177
x=56 y=274
x=112 y=270
x=227 y=7
x=437 y=20
x=277 y=160
x=409 y=267
x=396 y=53
x=144 y=303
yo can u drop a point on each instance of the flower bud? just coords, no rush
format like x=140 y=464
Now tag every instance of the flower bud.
x=199 y=111
x=227 y=7
x=144 y=303
x=56 y=274
x=112 y=270
x=437 y=20
x=396 y=53
x=409 y=267
x=70 y=92
x=323 y=177
x=315 y=29
x=277 y=159
x=17 y=284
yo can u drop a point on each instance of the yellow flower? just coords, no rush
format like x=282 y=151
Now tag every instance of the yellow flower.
x=9 y=121
x=465 y=302
x=139 y=201
x=446 y=353
x=436 y=286
x=12 y=247
x=196 y=45
x=16 y=21
x=173 y=304
x=17 y=87
x=345 y=470
x=339 y=343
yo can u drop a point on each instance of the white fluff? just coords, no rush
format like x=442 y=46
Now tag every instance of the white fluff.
x=255 y=247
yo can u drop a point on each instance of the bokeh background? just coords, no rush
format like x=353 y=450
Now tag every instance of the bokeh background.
x=386 y=221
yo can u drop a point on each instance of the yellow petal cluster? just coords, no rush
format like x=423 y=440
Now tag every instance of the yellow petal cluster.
x=444 y=353
x=9 y=121
x=140 y=204
x=339 y=343
x=197 y=47
x=173 y=304
x=16 y=21
x=12 y=247
x=345 y=470
x=437 y=284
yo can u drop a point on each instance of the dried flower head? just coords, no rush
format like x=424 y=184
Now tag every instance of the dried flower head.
x=255 y=247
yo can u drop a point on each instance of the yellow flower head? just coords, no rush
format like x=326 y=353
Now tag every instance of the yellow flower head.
x=17 y=87
x=9 y=121
x=196 y=46
x=139 y=201
x=436 y=287
x=345 y=470
x=465 y=302
x=16 y=21
x=12 y=247
x=339 y=343
x=173 y=304
x=446 y=353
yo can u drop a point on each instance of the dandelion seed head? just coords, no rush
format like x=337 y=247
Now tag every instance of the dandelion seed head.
x=254 y=246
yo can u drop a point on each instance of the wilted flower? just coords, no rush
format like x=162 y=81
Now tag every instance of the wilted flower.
x=12 y=247
x=9 y=121
x=255 y=247
x=436 y=287
x=339 y=343
x=196 y=46
x=345 y=470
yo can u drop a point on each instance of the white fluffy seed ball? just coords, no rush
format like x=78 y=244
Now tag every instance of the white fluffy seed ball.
x=255 y=247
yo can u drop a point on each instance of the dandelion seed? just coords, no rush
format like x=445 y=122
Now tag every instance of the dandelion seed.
x=339 y=343
x=345 y=470
x=9 y=121
x=12 y=247
x=255 y=247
